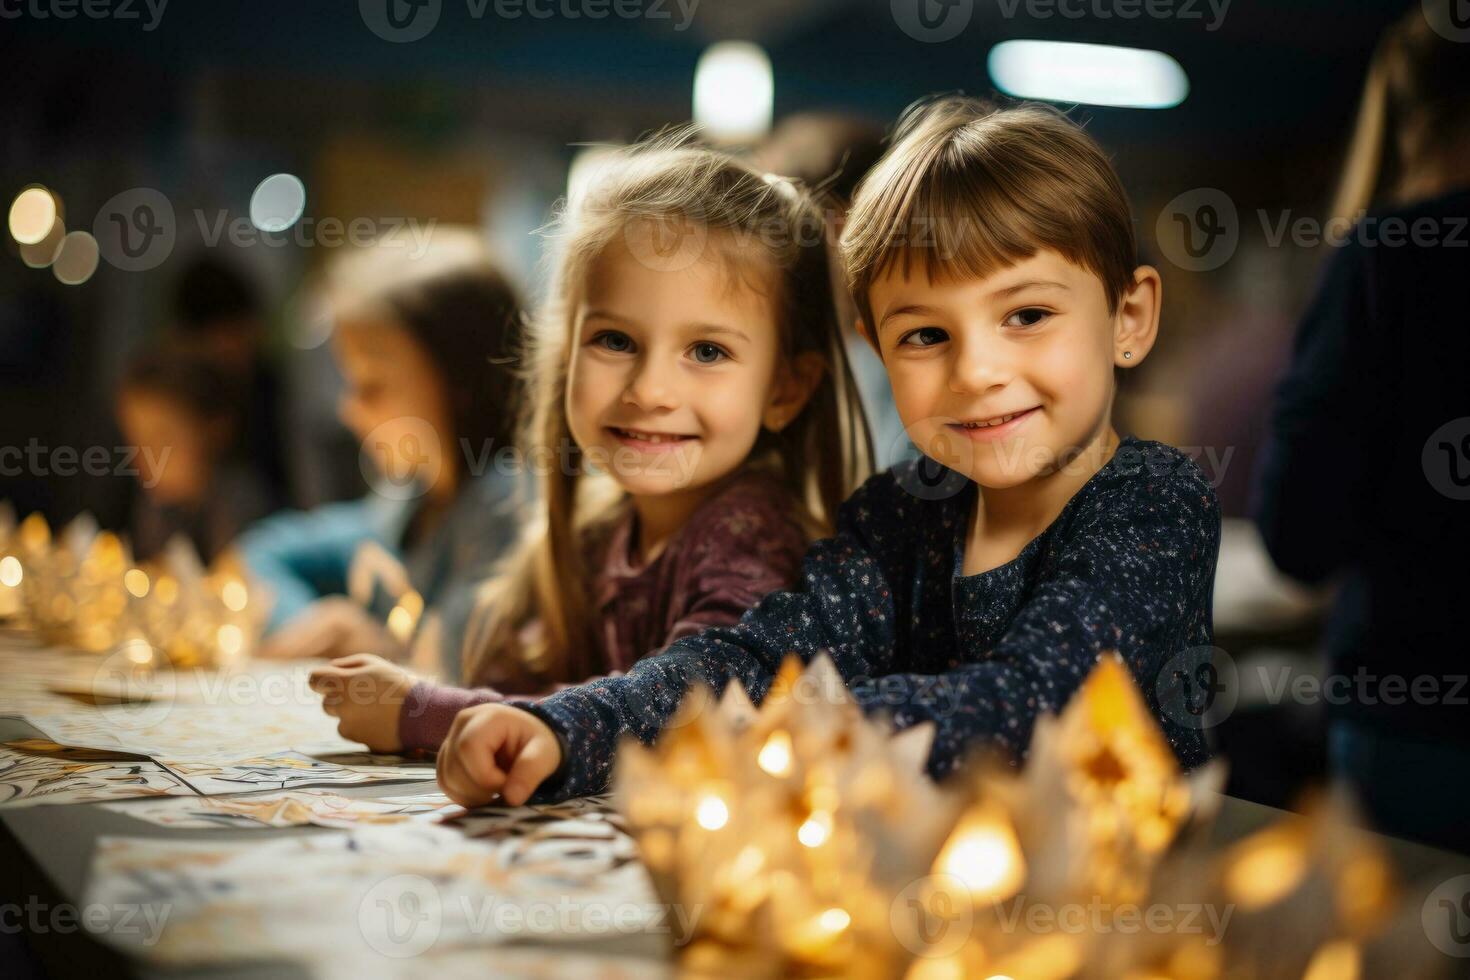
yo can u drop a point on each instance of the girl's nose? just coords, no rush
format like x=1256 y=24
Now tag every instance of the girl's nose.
x=650 y=387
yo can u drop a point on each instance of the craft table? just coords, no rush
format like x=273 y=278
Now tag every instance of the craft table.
x=46 y=853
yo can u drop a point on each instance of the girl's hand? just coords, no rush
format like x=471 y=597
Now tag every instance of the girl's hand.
x=496 y=749
x=331 y=627
x=366 y=693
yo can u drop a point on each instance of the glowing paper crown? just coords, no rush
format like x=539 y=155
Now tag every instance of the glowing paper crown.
x=83 y=590
x=803 y=839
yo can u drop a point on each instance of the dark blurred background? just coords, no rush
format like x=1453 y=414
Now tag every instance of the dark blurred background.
x=477 y=123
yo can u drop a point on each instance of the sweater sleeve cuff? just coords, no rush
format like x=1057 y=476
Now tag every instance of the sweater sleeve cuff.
x=429 y=709
x=566 y=781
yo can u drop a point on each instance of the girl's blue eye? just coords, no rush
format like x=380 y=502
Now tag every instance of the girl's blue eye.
x=618 y=343
x=707 y=353
x=1028 y=317
x=924 y=337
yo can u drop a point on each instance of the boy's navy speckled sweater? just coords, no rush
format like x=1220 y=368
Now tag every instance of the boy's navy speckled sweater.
x=1128 y=565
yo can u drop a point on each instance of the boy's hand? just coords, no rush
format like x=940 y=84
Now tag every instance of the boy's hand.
x=496 y=749
x=331 y=627
x=366 y=693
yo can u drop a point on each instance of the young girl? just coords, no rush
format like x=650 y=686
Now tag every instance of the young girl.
x=992 y=260
x=174 y=406
x=693 y=399
x=423 y=344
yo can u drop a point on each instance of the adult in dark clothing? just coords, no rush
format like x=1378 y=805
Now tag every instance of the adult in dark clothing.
x=1367 y=475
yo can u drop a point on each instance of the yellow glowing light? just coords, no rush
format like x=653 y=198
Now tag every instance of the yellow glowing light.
x=1338 y=960
x=985 y=855
x=166 y=590
x=10 y=571
x=138 y=651
x=835 y=920
x=35 y=533
x=230 y=639
x=137 y=582
x=234 y=595
x=44 y=252
x=816 y=830
x=77 y=258
x=712 y=813
x=32 y=214
x=775 y=755
x=1268 y=867
x=400 y=624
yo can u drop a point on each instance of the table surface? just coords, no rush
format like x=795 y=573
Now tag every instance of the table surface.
x=48 y=850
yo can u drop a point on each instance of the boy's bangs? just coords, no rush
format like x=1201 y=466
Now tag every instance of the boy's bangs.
x=953 y=226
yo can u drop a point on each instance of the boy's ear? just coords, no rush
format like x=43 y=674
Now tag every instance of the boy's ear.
x=1137 y=319
x=794 y=387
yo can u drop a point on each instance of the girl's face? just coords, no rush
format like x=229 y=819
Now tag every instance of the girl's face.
x=674 y=372
x=394 y=401
x=1035 y=341
x=175 y=457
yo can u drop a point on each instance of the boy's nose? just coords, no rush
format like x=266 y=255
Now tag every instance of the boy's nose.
x=977 y=367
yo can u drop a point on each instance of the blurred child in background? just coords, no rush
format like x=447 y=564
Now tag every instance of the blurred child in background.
x=424 y=344
x=176 y=412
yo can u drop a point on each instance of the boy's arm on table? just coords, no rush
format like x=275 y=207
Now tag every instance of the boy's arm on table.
x=1150 y=560
x=589 y=718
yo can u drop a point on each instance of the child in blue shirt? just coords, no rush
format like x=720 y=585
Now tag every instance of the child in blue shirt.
x=992 y=261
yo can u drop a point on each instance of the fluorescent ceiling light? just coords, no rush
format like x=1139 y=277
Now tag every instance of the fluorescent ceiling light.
x=734 y=92
x=1095 y=74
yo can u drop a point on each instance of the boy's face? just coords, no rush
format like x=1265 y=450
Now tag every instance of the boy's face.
x=1034 y=341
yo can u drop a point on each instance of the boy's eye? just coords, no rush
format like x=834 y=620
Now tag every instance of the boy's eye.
x=614 y=340
x=924 y=337
x=1028 y=317
x=706 y=353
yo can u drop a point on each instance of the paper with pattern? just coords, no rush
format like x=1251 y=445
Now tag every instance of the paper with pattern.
x=31 y=779
x=372 y=892
x=292 y=808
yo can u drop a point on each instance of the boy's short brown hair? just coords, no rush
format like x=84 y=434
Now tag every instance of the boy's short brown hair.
x=968 y=188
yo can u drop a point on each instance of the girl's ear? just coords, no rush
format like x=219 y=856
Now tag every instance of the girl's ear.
x=794 y=386
x=1137 y=320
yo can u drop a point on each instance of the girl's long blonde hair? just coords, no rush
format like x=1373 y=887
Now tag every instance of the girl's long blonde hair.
x=691 y=197
x=1415 y=109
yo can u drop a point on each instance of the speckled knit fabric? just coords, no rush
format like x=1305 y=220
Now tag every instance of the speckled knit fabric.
x=1128 y=565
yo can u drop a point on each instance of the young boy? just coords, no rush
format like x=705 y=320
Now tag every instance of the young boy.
x=991 y=256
